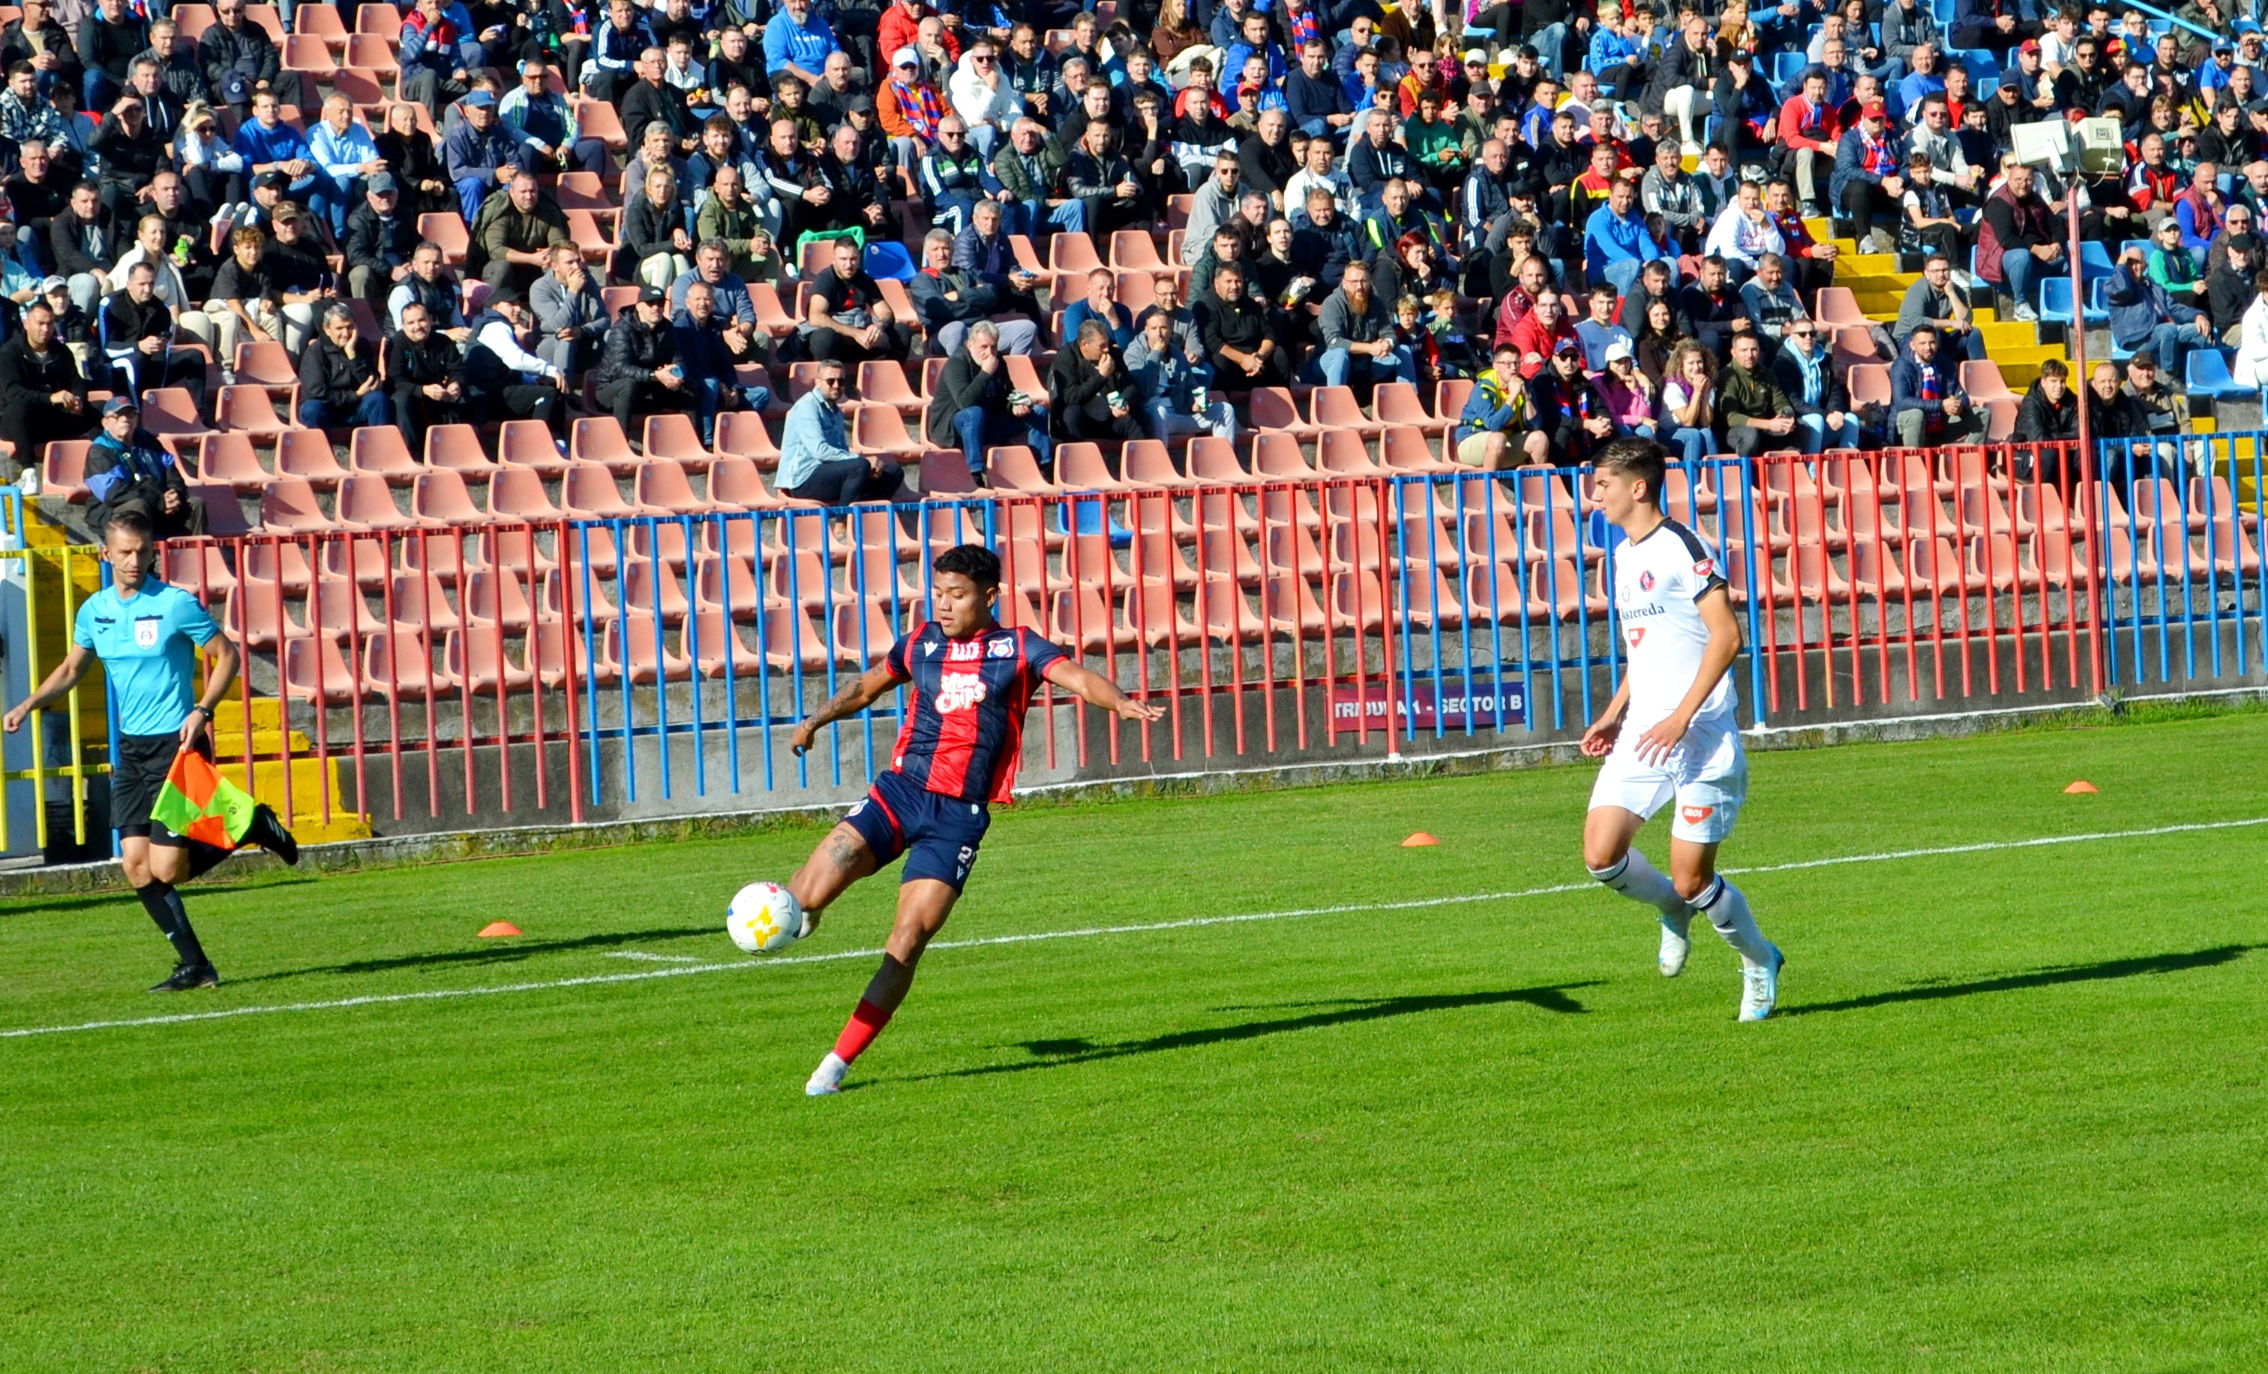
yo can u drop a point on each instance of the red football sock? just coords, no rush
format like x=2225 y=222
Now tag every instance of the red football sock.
x=859 y=1032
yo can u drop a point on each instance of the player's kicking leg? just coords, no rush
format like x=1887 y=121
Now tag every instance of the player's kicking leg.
x=1608 y=851
x=923 y=905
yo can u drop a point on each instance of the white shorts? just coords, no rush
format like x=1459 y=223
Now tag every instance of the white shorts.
x=1707 y=774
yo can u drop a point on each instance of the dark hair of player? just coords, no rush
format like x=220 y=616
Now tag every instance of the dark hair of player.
x=1639 y=459
x=973 y=561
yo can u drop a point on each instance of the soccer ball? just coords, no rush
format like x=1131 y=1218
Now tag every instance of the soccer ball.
x=764 y=918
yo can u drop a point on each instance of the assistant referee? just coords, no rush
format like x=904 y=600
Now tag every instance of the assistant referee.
x=147 y=635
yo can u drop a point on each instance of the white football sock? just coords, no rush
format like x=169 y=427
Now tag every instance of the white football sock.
x=1727 y=910
x=1640 y=881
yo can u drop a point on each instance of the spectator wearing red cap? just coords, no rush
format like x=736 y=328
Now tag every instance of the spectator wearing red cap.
x=1868 y=184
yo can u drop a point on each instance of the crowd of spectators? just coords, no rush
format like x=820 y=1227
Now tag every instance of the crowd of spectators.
x=1597 y=213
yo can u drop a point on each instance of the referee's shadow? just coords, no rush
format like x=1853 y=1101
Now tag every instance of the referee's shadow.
x=2037 y=978
x=1051 y=1054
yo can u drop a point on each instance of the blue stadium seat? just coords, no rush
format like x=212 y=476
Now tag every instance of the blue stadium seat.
x=2094 y=260
x=2055 y=300
x=2098 y=310
x=2209 y=375
x=1981 y=64
x=1786 y=66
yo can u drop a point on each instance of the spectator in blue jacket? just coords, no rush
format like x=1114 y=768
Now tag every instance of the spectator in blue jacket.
x=816 y=463
x=270 y=145
x=479 y=154
x=1867 y=185
x=2143 y=316
x=1927 y=405
x=1616 y=245
x=797 y=42
x=1252 y=41
x=610 y=65
x=1100 y=304
x=711 y=345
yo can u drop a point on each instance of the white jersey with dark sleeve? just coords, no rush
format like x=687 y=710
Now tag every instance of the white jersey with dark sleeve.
x=1658 y=585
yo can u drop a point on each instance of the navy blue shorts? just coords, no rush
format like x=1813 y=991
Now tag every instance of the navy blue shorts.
x=938 y=834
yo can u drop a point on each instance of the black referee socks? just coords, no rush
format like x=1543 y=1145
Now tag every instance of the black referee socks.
x=163 y=902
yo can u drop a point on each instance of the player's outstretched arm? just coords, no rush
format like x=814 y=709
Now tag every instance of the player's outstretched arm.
x=63 y=679
x=1716 y=659
x=856 y=695
x=1099 y=691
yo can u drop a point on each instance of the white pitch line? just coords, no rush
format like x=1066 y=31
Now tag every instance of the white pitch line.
x=1088 y=932
x=653 y=958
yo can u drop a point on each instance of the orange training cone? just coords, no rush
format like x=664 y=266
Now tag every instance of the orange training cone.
x=1419 y=841
x=2080 y=786
x=497 y=929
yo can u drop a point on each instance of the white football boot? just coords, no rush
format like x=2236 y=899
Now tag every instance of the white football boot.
x=1760 y=986
x=827 y=1078
x=1674 y=944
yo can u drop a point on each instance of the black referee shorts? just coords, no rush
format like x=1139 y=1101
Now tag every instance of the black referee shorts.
x=137 y=774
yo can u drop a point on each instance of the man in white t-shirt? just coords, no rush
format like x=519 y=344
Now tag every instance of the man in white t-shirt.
x=1671 y=731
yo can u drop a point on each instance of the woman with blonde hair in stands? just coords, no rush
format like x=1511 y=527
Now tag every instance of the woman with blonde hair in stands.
x=213 y=171
x=653 y=236
x=150 y=247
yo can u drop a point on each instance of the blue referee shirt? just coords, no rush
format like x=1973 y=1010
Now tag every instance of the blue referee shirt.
x=148 y=647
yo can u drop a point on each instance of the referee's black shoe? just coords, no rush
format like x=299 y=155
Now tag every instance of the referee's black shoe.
x=188 y=976
x=268 y=832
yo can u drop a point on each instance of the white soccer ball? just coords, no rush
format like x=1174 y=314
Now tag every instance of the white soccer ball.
x=764 y=918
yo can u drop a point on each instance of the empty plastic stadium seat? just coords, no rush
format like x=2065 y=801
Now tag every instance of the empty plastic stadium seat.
x=441 y=497
x=671 y=435
x=288 y=505
x=316 y=669
x=528 y=443
x=304 y=453
x=600 y=439
x=381 y=451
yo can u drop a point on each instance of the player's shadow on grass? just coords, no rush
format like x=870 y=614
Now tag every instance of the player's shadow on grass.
x=2038 y=978
x=486 y=955
x=1050 y=1054
x=121 y=899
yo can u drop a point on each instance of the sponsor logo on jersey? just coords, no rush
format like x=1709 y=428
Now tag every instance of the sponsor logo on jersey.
x=1637 y=632
x=1694 y=815
x=929 y=649
x=1001 y=647
x=959 y=692
x=964 y=651
x=1646 y=580
x=1704 y=568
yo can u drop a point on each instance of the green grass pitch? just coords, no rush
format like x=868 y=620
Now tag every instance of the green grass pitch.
x=2010 y=1117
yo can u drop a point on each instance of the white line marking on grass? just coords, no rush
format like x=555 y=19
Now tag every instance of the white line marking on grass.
x=653 y=958
x=1033 y=937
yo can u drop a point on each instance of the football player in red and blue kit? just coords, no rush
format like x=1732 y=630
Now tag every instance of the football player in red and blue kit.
x=971 y=680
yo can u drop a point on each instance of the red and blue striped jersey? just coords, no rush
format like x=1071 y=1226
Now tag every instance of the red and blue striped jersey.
x=964 y=724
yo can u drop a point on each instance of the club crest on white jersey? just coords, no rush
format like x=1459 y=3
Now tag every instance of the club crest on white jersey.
x=1658 y=583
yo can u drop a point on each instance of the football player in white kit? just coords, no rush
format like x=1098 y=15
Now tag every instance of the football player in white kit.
x=1670 y=732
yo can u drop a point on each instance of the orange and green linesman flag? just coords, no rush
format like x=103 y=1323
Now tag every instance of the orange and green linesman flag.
x=199 y=804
